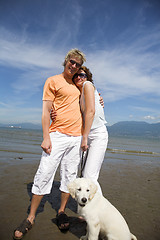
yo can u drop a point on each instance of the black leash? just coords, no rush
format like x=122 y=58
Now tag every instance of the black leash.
x=83 y=161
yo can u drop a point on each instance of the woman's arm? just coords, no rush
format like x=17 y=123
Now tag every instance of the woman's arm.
x=46 y=144
x=89 y=113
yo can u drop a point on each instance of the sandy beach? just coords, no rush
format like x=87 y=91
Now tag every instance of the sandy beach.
x=131 y=186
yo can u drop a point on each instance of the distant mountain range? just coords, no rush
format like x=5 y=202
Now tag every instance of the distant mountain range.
x=133 y=128
x=125 y=128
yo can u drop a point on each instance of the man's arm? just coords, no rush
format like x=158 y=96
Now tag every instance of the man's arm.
x=46 y=144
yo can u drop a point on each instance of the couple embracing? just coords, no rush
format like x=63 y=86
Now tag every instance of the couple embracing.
x=79 y=125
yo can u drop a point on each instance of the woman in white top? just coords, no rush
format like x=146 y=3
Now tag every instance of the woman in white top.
x=95 y=135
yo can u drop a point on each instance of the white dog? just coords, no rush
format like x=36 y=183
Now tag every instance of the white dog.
x=101 y=216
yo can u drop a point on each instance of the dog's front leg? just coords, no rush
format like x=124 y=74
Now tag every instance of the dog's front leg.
x=84 y=237
x=93 y=231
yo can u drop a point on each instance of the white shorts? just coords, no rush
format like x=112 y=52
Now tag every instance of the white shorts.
x=65 y=150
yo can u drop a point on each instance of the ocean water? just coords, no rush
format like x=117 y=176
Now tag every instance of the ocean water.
x=21 y=145
x=133 y=148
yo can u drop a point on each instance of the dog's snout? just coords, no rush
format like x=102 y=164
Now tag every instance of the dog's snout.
x=84 y=200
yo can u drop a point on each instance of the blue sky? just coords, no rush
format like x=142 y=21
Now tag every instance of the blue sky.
x=121 y=40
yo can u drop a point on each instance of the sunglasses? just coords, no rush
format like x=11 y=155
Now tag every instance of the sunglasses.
x=78 y=65
x=81 y=75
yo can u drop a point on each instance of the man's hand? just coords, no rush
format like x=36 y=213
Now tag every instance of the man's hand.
x=46 y=145
x=101 y=100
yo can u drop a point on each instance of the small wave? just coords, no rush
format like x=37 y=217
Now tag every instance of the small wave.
x=112 y=150
x=17 y=151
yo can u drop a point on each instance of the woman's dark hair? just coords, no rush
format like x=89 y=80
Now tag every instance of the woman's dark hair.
x=88 y=73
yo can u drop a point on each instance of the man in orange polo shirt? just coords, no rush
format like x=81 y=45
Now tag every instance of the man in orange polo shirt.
x=61 y=140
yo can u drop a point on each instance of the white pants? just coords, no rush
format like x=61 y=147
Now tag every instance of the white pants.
x=65 y=150
x=97 y=142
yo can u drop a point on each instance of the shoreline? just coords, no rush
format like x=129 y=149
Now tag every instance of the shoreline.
x=131 y=186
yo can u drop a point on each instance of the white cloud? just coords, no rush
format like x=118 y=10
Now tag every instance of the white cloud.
x=4 y=104
x=149 y=118
x=146 y=109
x=124 y=71
x=18 y=53
x=20 y=115
x=153 y=119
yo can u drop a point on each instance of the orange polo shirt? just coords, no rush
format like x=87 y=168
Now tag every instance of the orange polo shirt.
x=65 y=96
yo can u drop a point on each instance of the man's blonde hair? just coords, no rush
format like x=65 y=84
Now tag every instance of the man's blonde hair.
x=74 y=52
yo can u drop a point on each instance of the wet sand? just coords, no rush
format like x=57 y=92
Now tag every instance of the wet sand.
x=132 y=187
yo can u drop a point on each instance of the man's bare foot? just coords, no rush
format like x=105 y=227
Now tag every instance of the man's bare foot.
x=23 y=228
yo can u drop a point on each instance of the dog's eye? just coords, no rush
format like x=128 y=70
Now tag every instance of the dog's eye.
x=87 y=190
x=79 y=189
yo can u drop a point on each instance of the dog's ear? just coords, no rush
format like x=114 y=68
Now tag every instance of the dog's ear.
x=93 y=190
x=72 y=188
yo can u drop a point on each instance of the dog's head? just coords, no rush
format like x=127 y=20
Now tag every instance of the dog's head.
x=82 y=190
